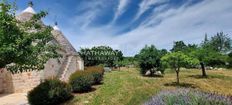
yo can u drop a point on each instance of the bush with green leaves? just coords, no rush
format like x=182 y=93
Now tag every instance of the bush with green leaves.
x=149 y=59
x=97 y=72
x=81 y=81
x=50 y=92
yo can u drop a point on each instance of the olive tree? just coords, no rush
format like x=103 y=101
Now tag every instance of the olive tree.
x=212 y=52
x=176 y=60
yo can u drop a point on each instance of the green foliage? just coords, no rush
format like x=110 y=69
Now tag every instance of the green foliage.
x=149 y=59
x=209 y=57
x=220 y=43
x=127 y=61
x=97 y=72
x=97 y=78
x=50 y=92
x=179 y=46
x=213 y=52
x=81 y=81
x=21 y=49
x=229 y=59
x=100 y=55
x=163 y=52
x=178 y=59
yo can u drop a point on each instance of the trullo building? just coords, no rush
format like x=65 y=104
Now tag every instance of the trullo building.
x=61 y=68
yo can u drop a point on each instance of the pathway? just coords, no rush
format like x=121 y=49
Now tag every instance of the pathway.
x=13 y=99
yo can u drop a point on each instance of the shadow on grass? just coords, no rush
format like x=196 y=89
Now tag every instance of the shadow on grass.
x=69 y=100
x=198 y=76
x=211 y=76
x=185 y=85
x=97 y=84
x=83 y=92
x=154 y=76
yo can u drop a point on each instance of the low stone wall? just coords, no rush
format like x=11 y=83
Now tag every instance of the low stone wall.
x=18 y=83
x=6 y=83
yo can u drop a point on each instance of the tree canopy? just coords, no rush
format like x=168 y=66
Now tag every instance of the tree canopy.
x=211 y=52
x=220 y=43
x=100 y=55
x=149 y=59
x=176 y=60
x=178 y=46
x=24 y=45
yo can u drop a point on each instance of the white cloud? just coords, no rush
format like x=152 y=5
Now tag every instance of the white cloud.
x=146 y=4
x=89 y=11
x=120 y=9
x=188 y=23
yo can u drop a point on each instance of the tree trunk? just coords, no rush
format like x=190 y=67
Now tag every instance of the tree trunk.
x=152 y=72
x=203 y=69
x=177 y=76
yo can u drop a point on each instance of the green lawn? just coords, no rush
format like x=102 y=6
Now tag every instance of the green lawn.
x=128 y=87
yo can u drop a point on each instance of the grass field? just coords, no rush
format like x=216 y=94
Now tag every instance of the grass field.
x=128 y=87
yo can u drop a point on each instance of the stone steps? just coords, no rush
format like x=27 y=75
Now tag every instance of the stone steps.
x=63 y=65
x=66 y=68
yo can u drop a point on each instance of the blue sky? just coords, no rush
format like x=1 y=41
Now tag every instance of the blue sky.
x=129 y=25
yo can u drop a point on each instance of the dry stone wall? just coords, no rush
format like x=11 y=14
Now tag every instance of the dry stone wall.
x=18 y=83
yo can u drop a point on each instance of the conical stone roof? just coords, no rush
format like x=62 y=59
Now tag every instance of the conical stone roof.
x=29 y=10
x=28 y=13
x=62 y=40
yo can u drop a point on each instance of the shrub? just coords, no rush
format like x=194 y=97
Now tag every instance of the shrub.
x=81 y=81
x=50 y=92
x=97 y=78
x=97 y=73
x=189 y=97
x=149 y=60
x=229 y=60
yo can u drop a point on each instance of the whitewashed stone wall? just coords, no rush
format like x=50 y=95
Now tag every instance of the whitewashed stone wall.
x=75 y=64
x=52 y=68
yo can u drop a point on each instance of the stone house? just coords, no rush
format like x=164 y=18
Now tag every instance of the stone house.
x=61 y=68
